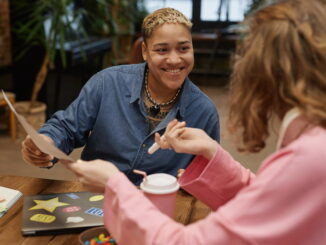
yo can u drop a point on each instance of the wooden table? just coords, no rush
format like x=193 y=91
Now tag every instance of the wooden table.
x=188 y=209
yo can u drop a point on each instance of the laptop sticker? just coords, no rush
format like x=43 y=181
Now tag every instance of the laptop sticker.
x=49 y=205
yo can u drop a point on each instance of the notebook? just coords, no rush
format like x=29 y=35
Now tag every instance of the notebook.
x=61 y=213
x=8 y=197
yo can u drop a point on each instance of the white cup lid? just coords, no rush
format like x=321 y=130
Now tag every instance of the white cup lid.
x=160 y=184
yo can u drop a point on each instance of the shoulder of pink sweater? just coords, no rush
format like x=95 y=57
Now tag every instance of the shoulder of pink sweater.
x=309 y=151
x=306 y=155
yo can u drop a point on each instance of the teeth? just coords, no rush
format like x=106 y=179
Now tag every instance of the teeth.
x=174 y=70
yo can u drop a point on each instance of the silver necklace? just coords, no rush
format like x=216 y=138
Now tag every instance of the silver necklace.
x=156 y=108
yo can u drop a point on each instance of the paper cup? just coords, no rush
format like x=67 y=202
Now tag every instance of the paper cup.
x=161 y=189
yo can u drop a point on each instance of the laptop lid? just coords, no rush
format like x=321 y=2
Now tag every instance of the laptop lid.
x=60 y=213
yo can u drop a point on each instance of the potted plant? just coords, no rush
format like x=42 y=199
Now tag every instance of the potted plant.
x=50 y=24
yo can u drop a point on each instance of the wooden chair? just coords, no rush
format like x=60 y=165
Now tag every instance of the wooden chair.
x=135 y=55
x=12 y=119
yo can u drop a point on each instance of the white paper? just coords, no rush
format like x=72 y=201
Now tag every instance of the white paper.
x=42 y=144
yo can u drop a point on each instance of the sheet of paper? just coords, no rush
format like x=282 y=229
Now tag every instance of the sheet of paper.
x=42 y=144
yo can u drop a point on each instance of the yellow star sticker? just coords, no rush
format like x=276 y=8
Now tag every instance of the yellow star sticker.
x=49 y=205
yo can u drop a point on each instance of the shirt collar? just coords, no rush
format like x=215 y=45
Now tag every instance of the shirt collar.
x=184 y=97
x=137 y=85
x=289 y=117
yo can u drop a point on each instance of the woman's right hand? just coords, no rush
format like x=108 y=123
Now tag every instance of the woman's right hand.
x=187 y=140
x=93 y=174
x=33 y=155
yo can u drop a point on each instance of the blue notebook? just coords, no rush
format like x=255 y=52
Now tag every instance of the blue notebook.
x=61 y=213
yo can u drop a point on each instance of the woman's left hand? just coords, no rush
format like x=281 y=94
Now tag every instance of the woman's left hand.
x=93 y=174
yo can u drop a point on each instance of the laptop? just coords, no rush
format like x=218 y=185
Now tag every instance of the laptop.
x=61 y=213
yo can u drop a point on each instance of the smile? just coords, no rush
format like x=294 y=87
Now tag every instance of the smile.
x=173 y=70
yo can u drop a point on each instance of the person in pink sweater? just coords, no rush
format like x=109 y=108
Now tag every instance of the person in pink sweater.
x=280 y=72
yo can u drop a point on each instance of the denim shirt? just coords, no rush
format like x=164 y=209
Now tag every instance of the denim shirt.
x=109 y=119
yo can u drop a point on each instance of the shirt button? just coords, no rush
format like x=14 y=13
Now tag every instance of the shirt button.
x=144 y=145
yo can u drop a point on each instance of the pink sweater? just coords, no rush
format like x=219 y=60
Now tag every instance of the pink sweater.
x=284 y=204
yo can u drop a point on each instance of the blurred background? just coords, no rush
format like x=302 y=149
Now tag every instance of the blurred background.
x=49 y=49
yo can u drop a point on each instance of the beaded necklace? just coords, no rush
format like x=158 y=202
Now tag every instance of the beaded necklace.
x=156 y=108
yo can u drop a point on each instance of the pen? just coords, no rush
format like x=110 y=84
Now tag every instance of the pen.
x=154 y=147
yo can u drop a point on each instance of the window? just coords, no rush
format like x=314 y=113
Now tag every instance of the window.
x=185 y=6
x=223 y=10
x=205 y=14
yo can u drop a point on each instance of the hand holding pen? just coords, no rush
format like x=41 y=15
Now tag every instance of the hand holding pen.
x=183 y=139
x=160 y=141
x=155 y=146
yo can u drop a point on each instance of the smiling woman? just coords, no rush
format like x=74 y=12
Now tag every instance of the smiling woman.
x=124 y=106
x=168 y=51
x=170 y=59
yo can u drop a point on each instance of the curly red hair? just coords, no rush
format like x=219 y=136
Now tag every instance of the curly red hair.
x=280 y=64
